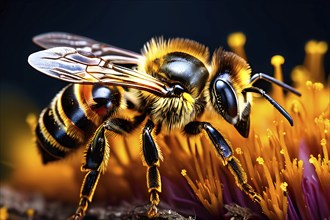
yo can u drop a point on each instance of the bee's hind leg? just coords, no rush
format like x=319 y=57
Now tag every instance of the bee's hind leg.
x=96 y=156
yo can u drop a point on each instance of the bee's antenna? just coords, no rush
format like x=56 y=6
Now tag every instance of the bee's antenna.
x=271 y=100
x=265 y=77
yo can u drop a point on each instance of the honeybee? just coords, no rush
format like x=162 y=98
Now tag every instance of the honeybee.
x=170 y=85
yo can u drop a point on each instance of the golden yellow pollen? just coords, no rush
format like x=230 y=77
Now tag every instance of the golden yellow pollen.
x=323 y=142
x=322 y=47
x=239 y=150
x=236 y=39
x=283 y=186
x=295 y=108
x=309 y=84
x=183 y=172
x=310 y=46
x=282 y=151
x=316 y=47
x=314 y=59
x=312 y=160
x=277 y=60
x=299 y=76
x=236 y=42
x=318 y=86
x=260 y=160
x=269 y=133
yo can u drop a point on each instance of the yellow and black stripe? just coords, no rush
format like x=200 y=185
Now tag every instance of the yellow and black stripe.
x=73 y=117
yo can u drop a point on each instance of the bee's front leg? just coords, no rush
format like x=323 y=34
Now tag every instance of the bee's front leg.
x=96 y=158
x=225 y=151
x=151 y=158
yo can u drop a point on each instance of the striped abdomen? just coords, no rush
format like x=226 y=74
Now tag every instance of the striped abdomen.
x=72 y=117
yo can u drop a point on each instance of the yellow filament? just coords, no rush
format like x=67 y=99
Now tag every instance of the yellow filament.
x=315 y=52
x=3 y=213
x=277 y=61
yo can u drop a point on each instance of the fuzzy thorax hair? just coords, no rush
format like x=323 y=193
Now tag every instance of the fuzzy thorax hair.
x=155 y=50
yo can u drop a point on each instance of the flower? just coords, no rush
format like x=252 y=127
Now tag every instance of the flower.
x=288 y=166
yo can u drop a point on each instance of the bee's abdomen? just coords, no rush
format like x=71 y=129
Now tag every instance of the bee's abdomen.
x=72 y=117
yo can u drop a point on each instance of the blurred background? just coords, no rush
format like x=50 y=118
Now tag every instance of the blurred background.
x=271 y=27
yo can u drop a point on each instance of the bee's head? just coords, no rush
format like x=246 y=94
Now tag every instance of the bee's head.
x=230 y=74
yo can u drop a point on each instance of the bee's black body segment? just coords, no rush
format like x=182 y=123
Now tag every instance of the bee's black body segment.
x=124 y=126
x=106 y=96
x=47 y=150
x=68 y=113
x=74 y=111
x=185 y=69
x=58 y=131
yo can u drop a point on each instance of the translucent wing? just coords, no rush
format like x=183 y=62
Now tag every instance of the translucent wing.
x=78 y=66
x=61 y=39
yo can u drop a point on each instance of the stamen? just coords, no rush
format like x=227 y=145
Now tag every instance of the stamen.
x=236 y=42
x=277 y=61
x=314 y=58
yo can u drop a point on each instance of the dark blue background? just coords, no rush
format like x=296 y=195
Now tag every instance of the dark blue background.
x=276 y=27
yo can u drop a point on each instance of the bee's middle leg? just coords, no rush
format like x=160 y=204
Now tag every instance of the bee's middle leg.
x=151 y=158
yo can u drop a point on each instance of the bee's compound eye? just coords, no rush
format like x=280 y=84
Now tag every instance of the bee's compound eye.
x=225 y=100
